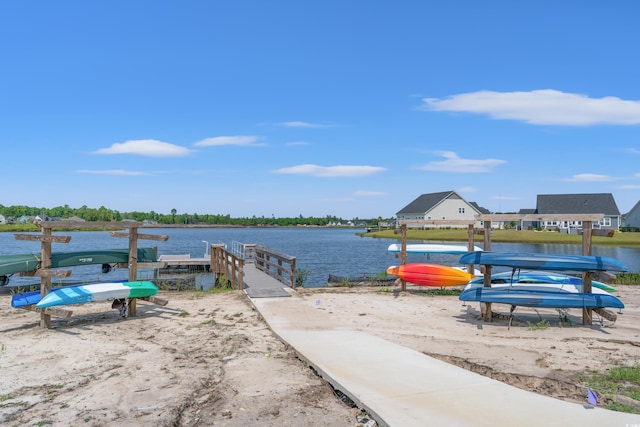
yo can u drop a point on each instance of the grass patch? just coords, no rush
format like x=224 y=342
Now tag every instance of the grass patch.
x=217 y=290
x=627 y=279
x=6 y=397
x=541 y=325
x=444 y=291
x=618 y=381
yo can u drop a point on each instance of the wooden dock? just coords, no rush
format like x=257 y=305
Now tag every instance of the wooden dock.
x=258 y=284
x=183 y=263
x=257 y=270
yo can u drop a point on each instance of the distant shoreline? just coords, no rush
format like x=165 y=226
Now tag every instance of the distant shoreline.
x=26 y=228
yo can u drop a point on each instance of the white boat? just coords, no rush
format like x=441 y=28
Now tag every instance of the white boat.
x=433 y=248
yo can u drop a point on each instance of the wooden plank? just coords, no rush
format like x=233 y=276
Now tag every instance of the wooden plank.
x=540 y=217
x=59 y=312
x=26 y=273
x=150 y=265
x=43 y=238
x=143 y=236
x=53 y=273
x=423 y=222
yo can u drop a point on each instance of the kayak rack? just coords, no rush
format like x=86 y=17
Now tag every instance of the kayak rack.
x=486 y=221
x=46 y=238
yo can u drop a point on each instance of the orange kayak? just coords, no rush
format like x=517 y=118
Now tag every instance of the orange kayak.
x=423 y=274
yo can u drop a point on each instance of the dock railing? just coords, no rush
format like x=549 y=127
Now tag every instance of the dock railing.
x=276 y=264
x=246 y=251
x=227 y=266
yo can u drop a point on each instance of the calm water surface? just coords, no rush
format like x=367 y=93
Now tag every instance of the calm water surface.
x=319 y=251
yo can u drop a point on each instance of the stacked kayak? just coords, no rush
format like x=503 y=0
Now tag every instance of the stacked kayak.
x=537 y=261
x=529 y=276
x=541 y=288
x=541 y=295
x=97 y=292
x=424 y=274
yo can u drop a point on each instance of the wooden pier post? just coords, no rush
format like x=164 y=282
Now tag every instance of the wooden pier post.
x=587 y=228
x=403 y=253
x=133 y=237
x=487 y=271
x=45 y=274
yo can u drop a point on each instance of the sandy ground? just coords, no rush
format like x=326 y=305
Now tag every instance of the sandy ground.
x=209 y=359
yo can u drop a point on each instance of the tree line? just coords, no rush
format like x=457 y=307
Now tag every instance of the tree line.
x=103 y=214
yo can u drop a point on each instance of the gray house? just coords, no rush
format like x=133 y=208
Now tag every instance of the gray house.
x=447 y=205
x=527 y=225
x=631 y=220
x=597 y=203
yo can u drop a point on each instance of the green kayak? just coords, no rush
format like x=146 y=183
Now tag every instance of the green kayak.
x=10 y=264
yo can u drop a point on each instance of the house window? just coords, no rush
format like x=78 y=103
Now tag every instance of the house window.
x=460 y=210
x=605 y=222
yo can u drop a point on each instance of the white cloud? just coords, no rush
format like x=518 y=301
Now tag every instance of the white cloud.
x=542 y=107
x=299 y=124
x=238 y=140
x=296 y=143
x=453 y=163
x=145 y=147
x=370 y=193
x=330 y=171
x=467 y=190
x=590 y=177
x=120 y=172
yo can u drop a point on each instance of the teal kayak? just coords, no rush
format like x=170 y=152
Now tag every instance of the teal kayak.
x=97 y=292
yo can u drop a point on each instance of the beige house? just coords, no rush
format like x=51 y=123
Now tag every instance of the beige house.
x=447 y=205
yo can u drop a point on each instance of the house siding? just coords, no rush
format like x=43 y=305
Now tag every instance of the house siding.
x=631 y=221
x=438 y=206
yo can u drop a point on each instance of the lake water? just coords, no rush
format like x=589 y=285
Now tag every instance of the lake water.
x=319 y=251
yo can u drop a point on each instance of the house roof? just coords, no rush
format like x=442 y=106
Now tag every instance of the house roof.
x=597 y=203
x=480 y=208
x=425 y=202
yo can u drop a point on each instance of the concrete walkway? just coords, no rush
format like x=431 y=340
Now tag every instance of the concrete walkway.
x=398 y=386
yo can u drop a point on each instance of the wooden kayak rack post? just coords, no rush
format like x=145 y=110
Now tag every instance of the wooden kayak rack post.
x=487 y=220
x=45 y=273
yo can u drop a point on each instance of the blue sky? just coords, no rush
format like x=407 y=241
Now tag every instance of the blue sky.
x=315 y=108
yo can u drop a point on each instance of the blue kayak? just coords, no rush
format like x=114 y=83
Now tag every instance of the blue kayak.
x=540 y=298
x=24 y=299
x=526 y=276
x=537 y=261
